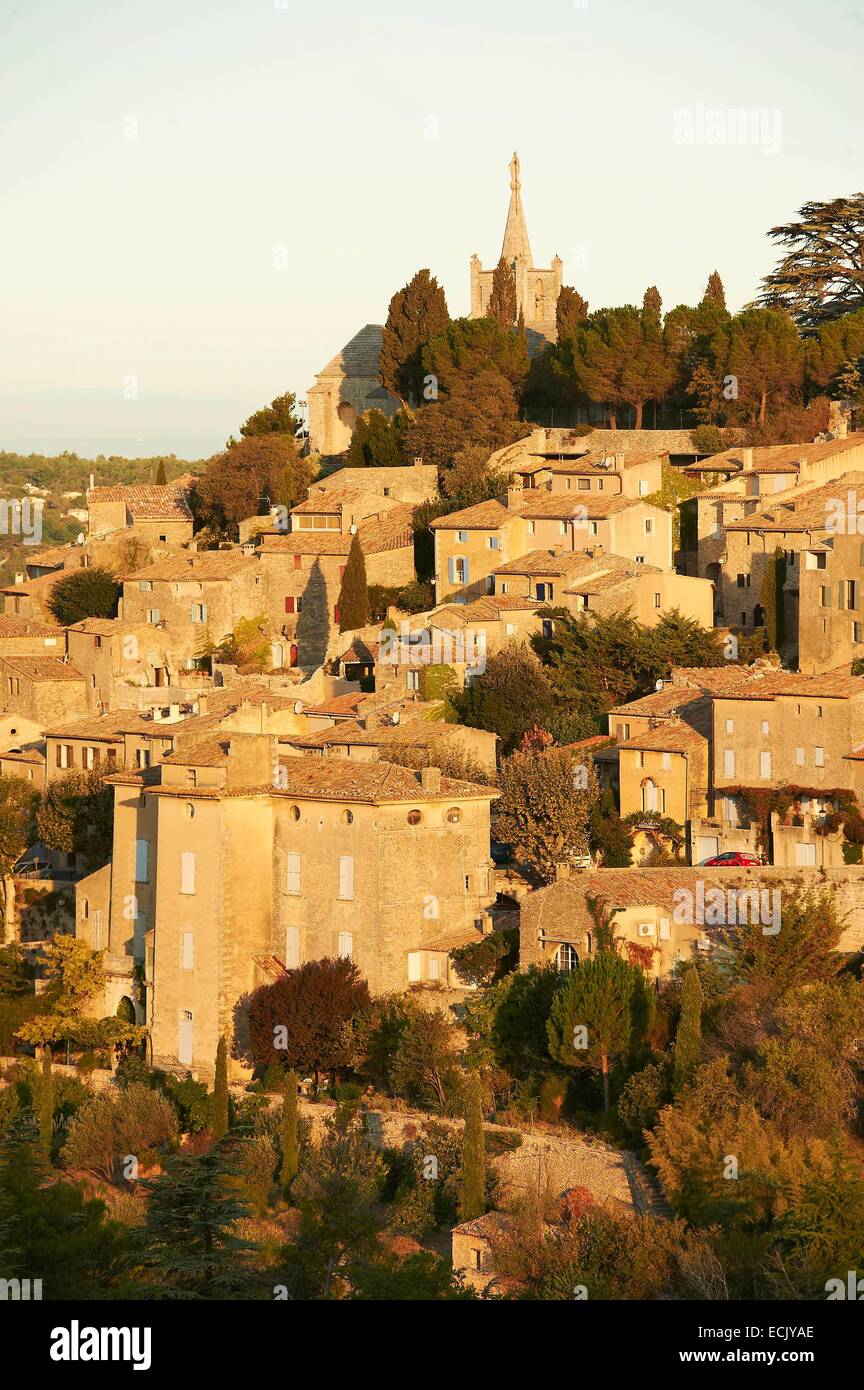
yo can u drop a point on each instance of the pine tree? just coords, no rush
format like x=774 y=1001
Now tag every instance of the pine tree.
x=714 y=291
x=472 y=1188
x=652 y=304
x=688 y=1039
x=288 y=1132
x=502 y=300
x=187 y=1243
x=597 y=1015
x=161 y=475
x=571 y=311
x=220 y=1091
x=354 y=593
x=822 y=274
x=46 y=1104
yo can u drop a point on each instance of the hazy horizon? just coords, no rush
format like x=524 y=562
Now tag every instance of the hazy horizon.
x=201 y=207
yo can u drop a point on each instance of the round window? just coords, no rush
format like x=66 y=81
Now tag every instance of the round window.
x=294 y=813
x=454 y=815
x=347 y=817
x=415 y=817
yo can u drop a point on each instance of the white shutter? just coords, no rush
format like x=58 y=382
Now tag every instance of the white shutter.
x=764 y=764
x=346 y=944
x=292 y=873
x=665 y=929
x=188 y=956
x=292 y=948
x=141 y=854
x=415 y=966
x=187 y=872
x=346 y=876
x=728 y=762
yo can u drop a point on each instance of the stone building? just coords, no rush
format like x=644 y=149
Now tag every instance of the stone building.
x=29 y=637
x=194 y=598
x=592 y=581
x=415 y=483
x=344 y=389
x=40 y=689
x=155 y=513
x=537 y=289
x=230 y=866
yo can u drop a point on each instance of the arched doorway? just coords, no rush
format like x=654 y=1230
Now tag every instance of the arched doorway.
x=292 y=654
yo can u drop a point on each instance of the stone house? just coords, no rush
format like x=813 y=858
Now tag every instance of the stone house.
x=42 y=689
x=377 y=737
x=108 y=743
x=30 y=598
x=29 y=637
x=231 y=865
x=674 y=912
x=591 y=581
x=194 y=598
x=414 y=483
x=471 y=544
x=158 y=513
x=619 y=475
x=28 y=763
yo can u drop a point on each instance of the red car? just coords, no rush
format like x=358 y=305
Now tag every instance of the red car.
x=735 y=859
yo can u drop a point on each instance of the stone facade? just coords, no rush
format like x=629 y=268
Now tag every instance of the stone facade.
x=42 y=689
x=344 y=389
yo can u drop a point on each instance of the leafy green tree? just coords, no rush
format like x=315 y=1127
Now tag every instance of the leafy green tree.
x=472 y=1194
x=421 y=1278
x=688 y=1039
x=18 y=802
x=276 y=418
x=821 y=275
x=424 y=1067
x=571 y=311
x=375 y=443
x=288 y=1139
x=188 y=1246
x=510 y=697
x=301 y=1021
x=76 y=816
x=502 y=298
x=85 y=593
x=544 y=808
x=481 y=962
x=803 y=951
x=593 y=1019
x=417 y=313
x=609 y=837
x=354 y=592
x=267 y=465
x=220 y=1091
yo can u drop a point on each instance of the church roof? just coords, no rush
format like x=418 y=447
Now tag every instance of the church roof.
x=359 y=357
x=516 y=241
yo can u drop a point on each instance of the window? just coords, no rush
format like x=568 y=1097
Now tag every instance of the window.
x=799 y=757
x=415 y=966
x=336 y=613
x=347 y=817
x=544 y=592
x=142 y=848
x=819 y=756
x=345 y=947
x=649 y=526
x=766 y=727
x=728 y=762
x=346 y=877
x=510 y=630
x=743 y=581
x=593 y=528
x=454 y=815
x=640 y=759
x=656 y=600
x=153 y=616
x=415 y=817
x=730 y=726
x=145 y=586
x=199 y=612
x=412 y=680
x=764 y=764
x=640 y=560
x=298 y=562
x=292 y=873
x=858 y=632
x=458 y=569
x=824 y=596
x=666 y=761
x=292 y=948
x=818 y=711
x=743 y=619
x=187 y=872
x=665 y=929
x=623 y=732
x=433 y=968
x=142 y=757
x=566 y=957
x=643 y=487
x=492 y=542
x=505 y=586
x=461 y=537
x=187 y=951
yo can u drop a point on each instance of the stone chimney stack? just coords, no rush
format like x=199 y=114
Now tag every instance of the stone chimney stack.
x=747 y=459
x=839 y=414
x=430 y=781
x=514 y=496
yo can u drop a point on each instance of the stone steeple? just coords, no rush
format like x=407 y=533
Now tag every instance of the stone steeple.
x=516 y=243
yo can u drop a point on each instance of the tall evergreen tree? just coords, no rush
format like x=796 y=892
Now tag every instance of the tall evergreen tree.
x=822 y=274
x=502 y=299
x=571 y=310
x=652 y=304
x=417 y=313
x=187 y=1245
x=772 y=600
x=288 y=1132
x=46 y=1103
x=220 y=1091
x=472 y=1187
x=354 y=592
x=688 y=1038
x=596 y=1016
x=714 y=291
x=161 y=475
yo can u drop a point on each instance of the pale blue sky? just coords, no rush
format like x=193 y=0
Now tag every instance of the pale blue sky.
x=298 y=133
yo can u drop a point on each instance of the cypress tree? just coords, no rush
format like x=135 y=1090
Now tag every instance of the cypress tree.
x=161 y=475
x=288 y=1132
x=46 y=1104
x=571 y=311
x=354 y=593
x=771 y=599
x=502 y=300
x=220 y=1091
x=688 y=1038
x=714 y=291
x=472 y=1187
x=417 y=313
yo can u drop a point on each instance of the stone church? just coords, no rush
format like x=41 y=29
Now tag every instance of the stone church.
x=349 y=384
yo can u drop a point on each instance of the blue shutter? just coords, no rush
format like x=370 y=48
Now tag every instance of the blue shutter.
x=466 y=569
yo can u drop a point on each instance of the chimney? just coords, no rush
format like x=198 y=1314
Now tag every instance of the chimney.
x=514 y=495
x=619 y=460
x=92 y=480
x=202 y=703
x=430 y=781
x=418 y=463
x=747 y=459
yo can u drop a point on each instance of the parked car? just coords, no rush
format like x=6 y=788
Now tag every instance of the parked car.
x=733 y=859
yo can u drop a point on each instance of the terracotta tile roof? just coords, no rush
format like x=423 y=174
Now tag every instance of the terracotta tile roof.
x=111 y=727
x=211 y=752
x=829 y=685
x=342 y=779
x=809 y=510
x=146 y=503
x=393 y=530
x=669 y=737
x=304 y=543
x=555 y=562
x=204 y=566
x=789 y=454
x=483 y=516
x=29 y=755
x=661 y=703
x=554 y=506
x=717 y=680
x=12 y=626
x=39 y=587
x=342 y=705
x=42 y=668
x=330 y=501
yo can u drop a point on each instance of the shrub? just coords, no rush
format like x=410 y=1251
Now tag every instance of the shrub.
x=84 y=593
x=642 y=1098
x=115 y=1124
